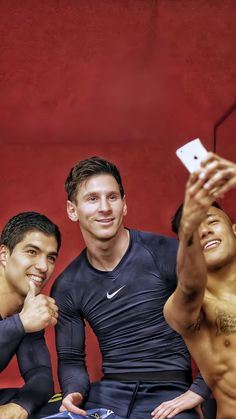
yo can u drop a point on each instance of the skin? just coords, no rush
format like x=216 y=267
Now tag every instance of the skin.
x=202 y=308
x=100 y=210
x=219 y=173
x=12 y=410
x=23 y=274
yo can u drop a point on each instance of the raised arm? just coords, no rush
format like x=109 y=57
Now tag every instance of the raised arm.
x=183 y=309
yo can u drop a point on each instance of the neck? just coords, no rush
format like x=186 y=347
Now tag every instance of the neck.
x=10 y=301
x=223 y=278
x=105 y=255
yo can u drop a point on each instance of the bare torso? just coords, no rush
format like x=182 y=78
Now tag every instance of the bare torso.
x=213 y=346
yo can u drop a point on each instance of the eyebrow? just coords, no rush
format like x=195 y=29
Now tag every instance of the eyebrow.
x=213 y=215
x=30 y=245
x=99 y=192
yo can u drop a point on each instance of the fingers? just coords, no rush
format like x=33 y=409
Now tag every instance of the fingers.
x=192 y=179
x=166 y=410
x=53 y=313
x=210 y=157
x=70 y=403
x=225 y=188
x=68 y=406
x=196 y=191
x=221 y=177
x=49 y=310
x=32 y=291
x=217 y=178
x=219 y=174
x=38 y=312
x=194 y=184
x=171 y=408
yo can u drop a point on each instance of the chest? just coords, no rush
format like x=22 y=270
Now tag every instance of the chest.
x=221 y=316
x=134 y=293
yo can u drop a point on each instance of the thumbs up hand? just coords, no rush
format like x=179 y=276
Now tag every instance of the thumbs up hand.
x=38 y=312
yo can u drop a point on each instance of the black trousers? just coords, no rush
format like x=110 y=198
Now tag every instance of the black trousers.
x=6 y=395
x=209 y=409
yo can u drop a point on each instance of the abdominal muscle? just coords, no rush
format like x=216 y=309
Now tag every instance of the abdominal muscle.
x=216 y=359
x=226 y=401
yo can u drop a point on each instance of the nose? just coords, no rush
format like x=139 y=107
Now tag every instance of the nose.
x=42 y=264
x=104 y=205
x=205 y=230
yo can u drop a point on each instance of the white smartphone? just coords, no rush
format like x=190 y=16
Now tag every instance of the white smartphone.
x=191 y=154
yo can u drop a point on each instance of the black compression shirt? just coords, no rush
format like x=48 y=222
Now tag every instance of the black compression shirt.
x=124 y=308
x=33 y=359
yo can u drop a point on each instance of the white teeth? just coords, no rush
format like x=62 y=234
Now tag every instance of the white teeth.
x=36 y=279
x=212 y=243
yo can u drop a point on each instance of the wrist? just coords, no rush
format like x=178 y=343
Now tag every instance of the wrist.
x=186 y=231
x=24 y=322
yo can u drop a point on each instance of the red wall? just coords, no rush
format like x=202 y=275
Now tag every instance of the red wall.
x=128 y=80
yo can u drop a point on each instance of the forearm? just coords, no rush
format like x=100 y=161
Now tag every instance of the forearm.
x=200 y=387
x=12 y=333
x=191 y=267
x=37 y=390
x=35 y=368
x=70 y=344
x=73 y=378
x=183 y=308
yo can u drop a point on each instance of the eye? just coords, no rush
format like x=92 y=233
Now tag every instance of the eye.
x=213 y=221
x=31 y=252
x=113 y=197
x=92 y=198
x=52 y=258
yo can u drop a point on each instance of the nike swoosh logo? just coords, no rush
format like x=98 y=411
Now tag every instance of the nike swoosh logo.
x=110 y=296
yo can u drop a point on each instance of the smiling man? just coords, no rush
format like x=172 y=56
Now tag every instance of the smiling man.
x=29 y=246
x=203 y=307
x=119 y=284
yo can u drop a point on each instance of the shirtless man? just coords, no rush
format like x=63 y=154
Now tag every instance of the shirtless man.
x=29 y=245
x=203 y=307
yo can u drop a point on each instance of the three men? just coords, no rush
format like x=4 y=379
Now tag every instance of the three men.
x=29 y=246
x=119 y=284
x=202 y=308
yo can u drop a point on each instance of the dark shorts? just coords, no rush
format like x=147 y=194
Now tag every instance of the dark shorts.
x=136 y=400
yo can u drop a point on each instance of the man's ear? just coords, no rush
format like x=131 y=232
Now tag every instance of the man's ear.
x=72 y=211
x=234 y=228
x=125 y=207
x=4 y=253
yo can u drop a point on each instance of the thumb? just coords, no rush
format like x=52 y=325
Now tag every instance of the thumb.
x=32 y=291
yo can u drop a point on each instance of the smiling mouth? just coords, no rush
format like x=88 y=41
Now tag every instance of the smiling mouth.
x=38 y=281
x=211 y=244
x=105 y=221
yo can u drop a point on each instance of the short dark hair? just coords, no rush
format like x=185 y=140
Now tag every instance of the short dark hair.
x=84 y=169
x=19 y=225
x=175 y=221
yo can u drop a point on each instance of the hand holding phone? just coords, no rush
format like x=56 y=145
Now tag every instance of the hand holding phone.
x=191 y=154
